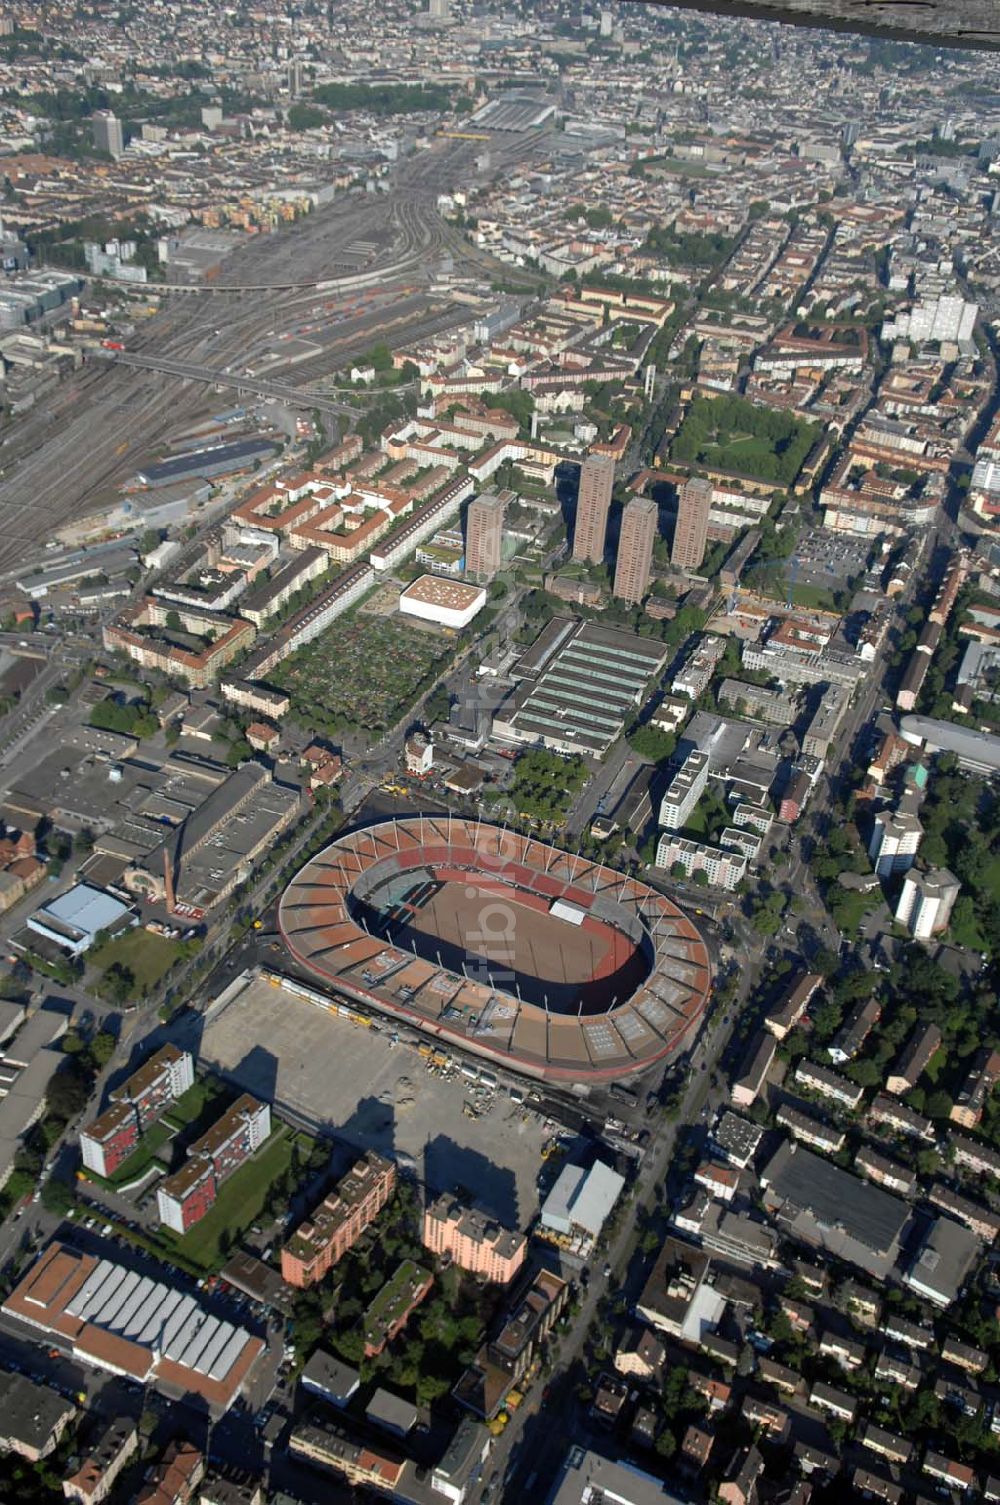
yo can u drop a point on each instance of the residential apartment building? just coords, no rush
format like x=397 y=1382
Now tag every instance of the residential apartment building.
x=635 y=549
x=484 y=535
x=753 y=1070
x=809 y=1130
x=110 y=1139
x=156 y=1083
x=184 y=1198
x=898 y=1117
x=113 y=1136
x=983 y=1075
x=684 y=791
x=975 y=1215
x=926 y=902
x=895 y=841
x=327 y=1444
x=885 y=1172
x=791 y=1007
x=724 y=869
x=825 y=721
x=34 y=1417
x=826 y=1083
x=504 y=1359
x=597 y=480
x=339 y=1221
x=695 y=676
x=106 y=130
x=854 y=1031
x=472 y=1241
x=974 y=1156
x=235 y=1136
x=101 y=1462
x=914 y=1059
x=694 y=503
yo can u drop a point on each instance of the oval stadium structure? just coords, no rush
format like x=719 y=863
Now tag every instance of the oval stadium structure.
x=544 y=961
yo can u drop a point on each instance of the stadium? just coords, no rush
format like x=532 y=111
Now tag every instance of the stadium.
x=542 y=961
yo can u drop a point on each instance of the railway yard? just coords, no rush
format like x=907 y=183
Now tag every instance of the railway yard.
x=293 y=308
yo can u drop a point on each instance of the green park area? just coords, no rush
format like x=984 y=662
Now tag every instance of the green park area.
x=771 y=579
x=204 y=1101
x=132 y=964
x=731 y=434
x=364 y=673
x=545 y=784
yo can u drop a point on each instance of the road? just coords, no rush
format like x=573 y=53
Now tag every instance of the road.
x=535 y=1440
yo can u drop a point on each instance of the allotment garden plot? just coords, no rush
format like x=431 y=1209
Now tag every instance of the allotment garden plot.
x=363 y=673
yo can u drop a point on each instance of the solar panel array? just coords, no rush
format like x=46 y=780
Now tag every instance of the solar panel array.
x=155 y=1316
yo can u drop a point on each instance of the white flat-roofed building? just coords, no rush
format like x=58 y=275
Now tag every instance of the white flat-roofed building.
x=724 y=869
x=446 y=602
x=696 y=674
x=926 y=902
x=589 y=1479
x=684 y=791
x=895 y=840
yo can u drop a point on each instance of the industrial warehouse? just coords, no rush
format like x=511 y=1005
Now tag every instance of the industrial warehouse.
x=129 y=1324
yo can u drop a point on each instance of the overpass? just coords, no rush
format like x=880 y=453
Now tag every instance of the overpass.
x=244 y=386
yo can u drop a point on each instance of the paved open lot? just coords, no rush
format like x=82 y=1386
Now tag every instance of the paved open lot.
x=355 y=1084
x=828 y=559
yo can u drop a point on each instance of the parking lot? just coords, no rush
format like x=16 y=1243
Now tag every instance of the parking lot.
x=828 y=560
x=356 y=1084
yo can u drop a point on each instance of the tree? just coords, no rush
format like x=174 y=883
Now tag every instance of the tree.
x=305 y=117
x=765 y=921
x=66 y=1094
x=652 y=742
x=57 y=1196
x=118 y=983
x=102 y=1048
x=938 y=1105
x=173 y=621
x=666 y=1443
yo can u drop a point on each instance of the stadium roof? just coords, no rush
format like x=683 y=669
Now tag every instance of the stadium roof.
x=317 y=918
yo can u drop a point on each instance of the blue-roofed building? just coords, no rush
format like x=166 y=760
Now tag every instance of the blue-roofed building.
x=73 y=920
